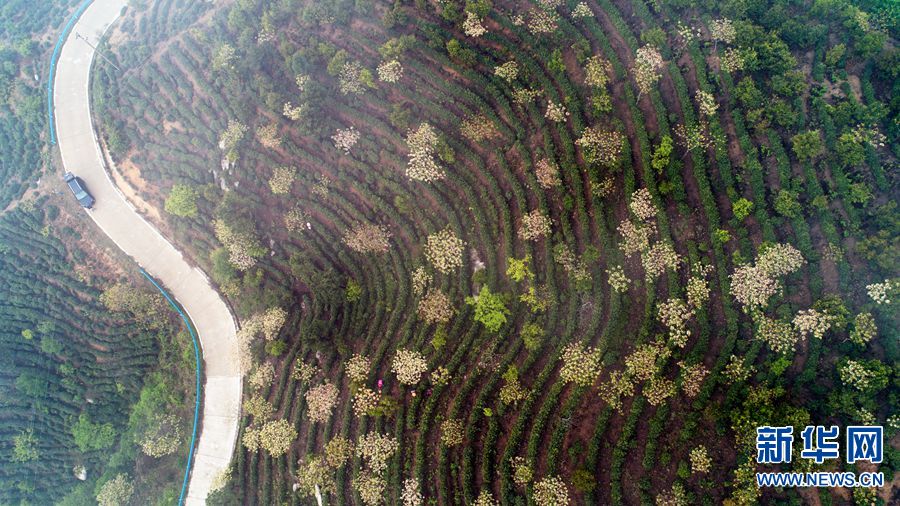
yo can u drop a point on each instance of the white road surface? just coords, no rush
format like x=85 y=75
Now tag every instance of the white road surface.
x=140 y=240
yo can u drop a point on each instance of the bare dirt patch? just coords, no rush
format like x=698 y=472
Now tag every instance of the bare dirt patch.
x=127 y=178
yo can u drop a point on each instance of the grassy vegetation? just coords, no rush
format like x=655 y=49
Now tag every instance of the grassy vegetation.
x=381 y=234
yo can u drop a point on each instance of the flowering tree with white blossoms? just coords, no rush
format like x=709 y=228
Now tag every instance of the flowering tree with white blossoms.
x=231 y=137
x=779 y=260
x=271 y=322
x=243 y=247
x=358 y=368
x=674 y=315
x=367 y=238
x=477 y=128
x=777 y=334
x=472 y=25
x=412 y=494
x=508 y=71
x=642 y=204
x=596 y=72
x=753 y=285
x=659 y=258
x=658 y=390
x=881 y=292
x=692 y=377
x=581 y=11
x=390 y=71
x=320 y=402
x=601 y=146
x=523 y=96
x=313 y=472
x=693 y=136
x=697 y=286
x=706 y=102
x=295 y=220
x=409 y=366
x=420 y=280
x=635 y=238
x=736 y=370
x=647 y=65
x=267 y=135
x=811 y=321
x=485 y=498
x=292 y=112
x=861 y=374
x=676 y=496
x=547 y=174
x=581 y=364
x=352 y=78
x=422 y=165
x=345 y=138
x=556 y=113
x=645 y=360
x=551 y=491
x=617 y=279
x=365 y=400
x=375 y=449
x=451 y=432
x=262 y=376
x=542 y=21
x=282 y=179
x=370 y=486
x=732 y=60
x=444 y=250
x=723 y=30
x=535 y=225
x=700 y=460
x=276 y=437
x=436 y=307
x=617 y=387
x=523 y=473
x=864 y=329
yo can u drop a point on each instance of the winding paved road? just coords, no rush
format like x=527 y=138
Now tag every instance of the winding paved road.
x=140 y=240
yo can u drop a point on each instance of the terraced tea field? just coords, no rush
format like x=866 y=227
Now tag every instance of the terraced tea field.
x=527 y=252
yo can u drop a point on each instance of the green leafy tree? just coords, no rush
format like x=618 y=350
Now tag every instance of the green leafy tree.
x=353 y=291
x=31 y=385
x=849 y=150
x=532 y=335
x=276 y=347
x=722 y=236
x=91 y=436
x=50 y=346
x=583 y=480
x=25 y=447
x=859 y=193
x=518 y=270
x=490 y=310
x=463 y=55
x=480 y=8
x=741 y=208
x=654 y=36
x=835 y=55
x=807 y=145
x=787 y=205
x=182 y=201
x=662 y=154
x=146 y=307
